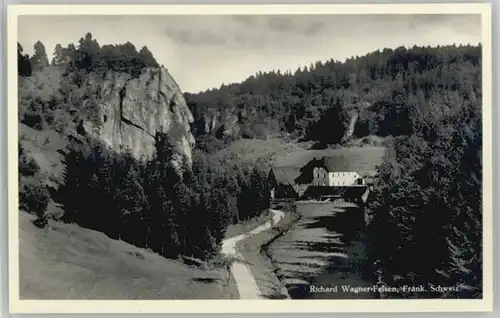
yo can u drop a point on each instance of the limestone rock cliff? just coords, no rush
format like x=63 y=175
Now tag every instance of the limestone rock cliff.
x=220 y=123
x=131 y=110
x=351 y=115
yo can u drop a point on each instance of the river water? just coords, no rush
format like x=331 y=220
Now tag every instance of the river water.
x=323 y=254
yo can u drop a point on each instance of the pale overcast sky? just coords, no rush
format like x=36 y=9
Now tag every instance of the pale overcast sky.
x=202 y=52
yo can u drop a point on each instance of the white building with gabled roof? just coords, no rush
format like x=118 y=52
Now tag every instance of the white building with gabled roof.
x=348 y=178
x=324 y=174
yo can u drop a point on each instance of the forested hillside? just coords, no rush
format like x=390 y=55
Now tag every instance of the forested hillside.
x=384 y=93
x=427 y=204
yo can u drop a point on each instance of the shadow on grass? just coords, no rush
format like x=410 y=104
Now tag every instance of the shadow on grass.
x=351 y=219
x=341 y=255
x=207 y=280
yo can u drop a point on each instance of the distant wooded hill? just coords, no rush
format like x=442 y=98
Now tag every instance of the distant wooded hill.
x=384 y=93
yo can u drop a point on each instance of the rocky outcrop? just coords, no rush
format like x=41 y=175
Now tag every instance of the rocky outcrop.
x=353 y=118
x=130 y=111
x=229 y=126
x=351 y=113
x=220 y=124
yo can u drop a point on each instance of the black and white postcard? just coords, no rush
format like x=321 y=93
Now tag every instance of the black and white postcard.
x=222 y=158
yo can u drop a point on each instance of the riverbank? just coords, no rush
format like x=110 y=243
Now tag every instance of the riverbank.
x=262 y=268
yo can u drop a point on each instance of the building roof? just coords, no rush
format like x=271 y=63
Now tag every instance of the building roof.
x=301 y=171
x=361 y=160
x=285 y=174
x=338 y=164
x=343 y=164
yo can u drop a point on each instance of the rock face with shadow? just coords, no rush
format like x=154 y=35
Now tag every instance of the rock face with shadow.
x=130 y=111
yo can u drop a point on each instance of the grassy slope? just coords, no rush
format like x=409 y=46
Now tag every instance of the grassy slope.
x=65 y=261
x=264 y=151
x=43 y=146
x=367 y=156
x=288 y=153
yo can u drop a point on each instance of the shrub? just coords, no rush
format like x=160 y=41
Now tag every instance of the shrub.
x=247 y=133
x=210 y=144
x=34 y=198
x=27 y=165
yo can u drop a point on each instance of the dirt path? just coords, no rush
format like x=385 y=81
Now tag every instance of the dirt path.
x=245 y=281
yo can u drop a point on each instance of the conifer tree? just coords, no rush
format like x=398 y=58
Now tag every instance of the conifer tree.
x=131 y=202
x=58 y=56
x=146 y=57
x=72 y=192
x=24 y=67
x=39 y=60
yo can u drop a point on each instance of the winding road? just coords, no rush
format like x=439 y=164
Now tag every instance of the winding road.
x=245 y=281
